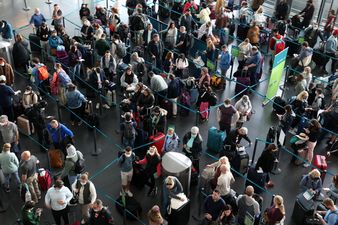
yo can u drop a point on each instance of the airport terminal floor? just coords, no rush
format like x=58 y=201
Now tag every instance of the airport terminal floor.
x=103 y=168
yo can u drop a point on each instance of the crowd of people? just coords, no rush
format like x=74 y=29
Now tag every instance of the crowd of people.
x=161 y=74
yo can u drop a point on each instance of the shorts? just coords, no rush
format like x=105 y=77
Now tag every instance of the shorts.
x=126 y=177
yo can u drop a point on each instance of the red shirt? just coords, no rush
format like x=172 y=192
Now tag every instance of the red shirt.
x=273 y=41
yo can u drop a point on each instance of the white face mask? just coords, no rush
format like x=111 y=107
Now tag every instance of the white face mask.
x=128 y=154
x=83 y=183
x=193 y=135
x=151 y=153
x=2 y=64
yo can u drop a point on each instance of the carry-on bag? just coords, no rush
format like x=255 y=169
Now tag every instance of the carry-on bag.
x=158 y=141
x=215 y=139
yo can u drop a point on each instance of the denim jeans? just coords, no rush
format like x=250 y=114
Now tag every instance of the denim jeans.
x=74 y=72
x=8 y=176
x=129 y=142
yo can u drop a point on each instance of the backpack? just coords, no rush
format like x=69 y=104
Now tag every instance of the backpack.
x=121 y=50
x=44 y=179
x=212 y=99
x=279 y=45
x=43 y=73
x=79 y=166
x=138 y=22
x=129 y=131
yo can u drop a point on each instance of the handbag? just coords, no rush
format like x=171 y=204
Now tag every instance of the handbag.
x=208 y=173
x=266 y=219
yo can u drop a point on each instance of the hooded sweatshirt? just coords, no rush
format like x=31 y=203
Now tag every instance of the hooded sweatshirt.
x=246 y=204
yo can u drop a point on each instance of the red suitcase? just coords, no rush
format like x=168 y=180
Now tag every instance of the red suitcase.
x=158 y=140
x=320 y=163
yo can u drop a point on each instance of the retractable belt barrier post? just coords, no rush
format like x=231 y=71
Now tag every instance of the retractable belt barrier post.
x=96 y=150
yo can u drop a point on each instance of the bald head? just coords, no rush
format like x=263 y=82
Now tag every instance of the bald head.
x=249 y=190
x=25 y=155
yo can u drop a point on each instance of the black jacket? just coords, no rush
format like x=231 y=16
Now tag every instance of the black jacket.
x=21 y=54
x=196 y=146
x=266 y=161
x=155 y=49
x=93 y=79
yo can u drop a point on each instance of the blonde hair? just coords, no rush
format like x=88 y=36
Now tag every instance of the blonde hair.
x=6 y=147
x=303 y=96
x=153 y=147
x=84 y=176
x=279 y=203
x=210 y=44
x=314 y=173
x=219 y=6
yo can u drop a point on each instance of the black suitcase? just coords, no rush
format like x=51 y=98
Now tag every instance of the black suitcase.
x=180 y=216
x=140 y=143
x=139 y=176
x=34 y=42
x=255 y=179
x=303 y=209
x=240 y=162
x=242 y=32
x=133 y=207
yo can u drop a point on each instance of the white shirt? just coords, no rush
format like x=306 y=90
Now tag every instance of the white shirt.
x=149 y=36
x=54 y=195
x=223 y=183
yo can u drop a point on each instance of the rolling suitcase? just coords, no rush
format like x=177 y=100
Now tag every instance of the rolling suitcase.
x=320 y=163
x=141 y=140
x=256 y=178
x=132 y=206
x=158 y=141
x=34 y=43
x=138 y=176
x=215 y=139
x=319 y=57
x=303 y=208
x=180 y=216
x=242 y=82
x=24 y=125
x=240 y=162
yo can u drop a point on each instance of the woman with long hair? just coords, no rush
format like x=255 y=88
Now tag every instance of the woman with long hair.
x=171 y=35
x=276 y=212
x=313 y=131
x=152 y=165
x=227 y=217
x=154 y=216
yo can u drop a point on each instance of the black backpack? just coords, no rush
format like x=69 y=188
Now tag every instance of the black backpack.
x=79 y=166
x=129 y=131
x=141 y=69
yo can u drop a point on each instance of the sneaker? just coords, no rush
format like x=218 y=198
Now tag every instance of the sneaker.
x=106 y=106
x=7 y=190
x=97 y=105
x=80 y=123
x=270 y=184
x=83 y=221
x=306 y=165
x=129 y=193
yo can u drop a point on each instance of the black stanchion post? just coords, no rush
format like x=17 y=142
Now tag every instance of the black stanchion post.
x=59 y=110
x=100 y=102
x=197 y=117
x=254 y=152
x=97 y=150
x=49 y=2
x=107 y=4
x=26 y=8
x=63 y=21
x=285 y=80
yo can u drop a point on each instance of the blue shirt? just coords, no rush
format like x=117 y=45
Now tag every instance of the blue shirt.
x=64 y=79
x=255 y=59
x=213 y=208
x=60 y=132
x=37 y=20
x=75 y=99
x=7 y=31
x=6 y=93
x=225 y=60
x=331 y=217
